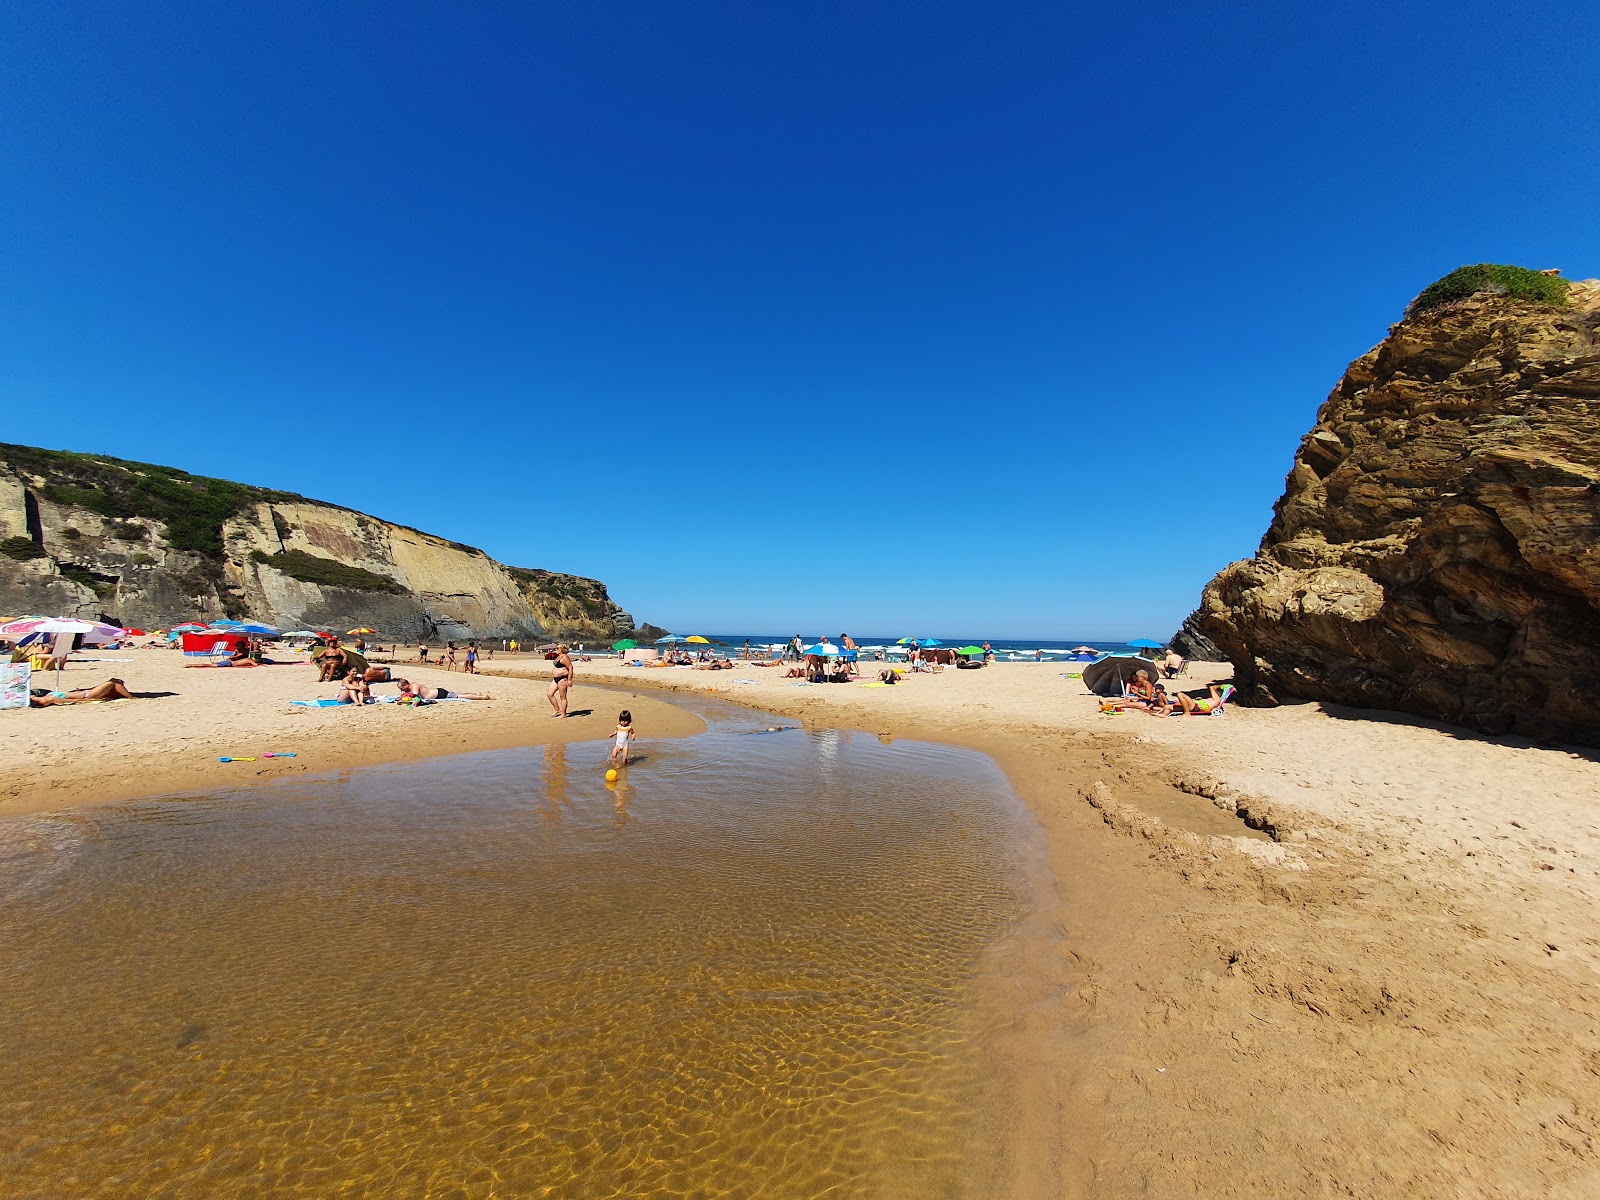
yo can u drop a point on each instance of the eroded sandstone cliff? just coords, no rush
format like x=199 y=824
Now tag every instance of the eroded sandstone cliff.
x=1435 y=550
x=147 y=545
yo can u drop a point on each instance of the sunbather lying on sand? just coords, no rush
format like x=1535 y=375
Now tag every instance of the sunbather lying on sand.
x=715 y=666
x=410 y=693
x=111 y=689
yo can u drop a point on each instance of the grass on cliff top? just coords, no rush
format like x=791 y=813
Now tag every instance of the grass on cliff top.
x=1517 y=283
x=192 y=507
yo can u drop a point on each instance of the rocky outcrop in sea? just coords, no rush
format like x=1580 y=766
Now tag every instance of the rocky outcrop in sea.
x=1437 y=547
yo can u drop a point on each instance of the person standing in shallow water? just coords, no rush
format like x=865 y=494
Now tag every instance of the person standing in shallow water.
x=560 y=681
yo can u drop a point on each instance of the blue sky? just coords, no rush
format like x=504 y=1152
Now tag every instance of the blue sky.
x=771 y=316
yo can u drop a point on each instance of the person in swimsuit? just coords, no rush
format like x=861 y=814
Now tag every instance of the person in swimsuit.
x=410 y=693
x=111 y=689
x=472 y=658
x=619 y=752
x=1201 y=708
x=354 y=689
x=560 y=681
x=1140 y=690
x=330 y=662
x=240 y=657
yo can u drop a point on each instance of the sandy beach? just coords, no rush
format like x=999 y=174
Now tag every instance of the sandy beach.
x=1311 y=951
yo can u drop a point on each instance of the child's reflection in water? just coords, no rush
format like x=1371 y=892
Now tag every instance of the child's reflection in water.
x=556 y=772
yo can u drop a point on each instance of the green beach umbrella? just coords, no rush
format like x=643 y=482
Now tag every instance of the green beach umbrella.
x=625 y=644
x=970 y=650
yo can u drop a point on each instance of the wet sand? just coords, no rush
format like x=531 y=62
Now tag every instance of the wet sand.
x=68 y=756
x=1311 y=951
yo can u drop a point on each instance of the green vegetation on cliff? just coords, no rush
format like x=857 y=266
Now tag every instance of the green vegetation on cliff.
x=192 y=507
x=1518 y=283
x=309 y=568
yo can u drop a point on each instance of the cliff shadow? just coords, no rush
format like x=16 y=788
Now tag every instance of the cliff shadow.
x=1461 y=733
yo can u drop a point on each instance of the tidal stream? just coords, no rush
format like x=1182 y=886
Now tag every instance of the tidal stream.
x=756 y=966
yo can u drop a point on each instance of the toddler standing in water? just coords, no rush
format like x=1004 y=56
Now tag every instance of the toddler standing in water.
x=619 y=752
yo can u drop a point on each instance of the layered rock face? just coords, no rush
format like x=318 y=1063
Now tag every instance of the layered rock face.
x=1437 y=548
x=150 y=546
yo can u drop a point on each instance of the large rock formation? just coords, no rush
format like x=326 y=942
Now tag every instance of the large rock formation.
x=1191 y=641
x=147 y=545
x=1437 y=549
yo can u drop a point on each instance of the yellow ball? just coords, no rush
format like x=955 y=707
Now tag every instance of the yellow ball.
x=611 y=775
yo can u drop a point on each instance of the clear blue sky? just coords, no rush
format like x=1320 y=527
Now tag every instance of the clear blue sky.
x=773 y=317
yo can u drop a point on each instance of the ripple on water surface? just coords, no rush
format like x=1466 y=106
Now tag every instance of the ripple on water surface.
x=746 y=970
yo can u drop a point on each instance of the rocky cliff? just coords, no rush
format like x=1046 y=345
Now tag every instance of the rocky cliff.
x=1437 y=547
x=148 y=545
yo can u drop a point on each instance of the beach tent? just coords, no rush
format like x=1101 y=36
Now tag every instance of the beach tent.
x=212 y=641
x=1107 y=676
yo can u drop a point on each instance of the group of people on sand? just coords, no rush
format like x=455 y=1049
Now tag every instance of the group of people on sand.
x=447 y=657
x=1152 y=698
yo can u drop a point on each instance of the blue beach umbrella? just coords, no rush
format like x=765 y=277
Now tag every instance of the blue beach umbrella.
x=1145 y=644
x=930 y=642
x=252 y=629
x=671 y=637
x=823 y=649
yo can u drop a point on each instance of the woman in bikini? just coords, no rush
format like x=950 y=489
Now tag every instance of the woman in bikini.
x=111 y=689
x=354 y=689
x=560 y=681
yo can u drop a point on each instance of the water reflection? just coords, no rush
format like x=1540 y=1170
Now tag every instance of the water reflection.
x=743 y=967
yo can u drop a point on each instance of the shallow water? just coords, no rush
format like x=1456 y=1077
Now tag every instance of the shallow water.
x=756 y=967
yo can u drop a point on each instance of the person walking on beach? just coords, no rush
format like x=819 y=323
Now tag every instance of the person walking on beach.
x=472 y=658
x=747 y=649
x=422 y=651
x=560 y=681
x=624 y=735
x=796 y=649
x=449 y=660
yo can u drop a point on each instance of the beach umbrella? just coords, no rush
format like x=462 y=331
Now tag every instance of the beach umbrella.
x=823 y=650
x=363 y=629
x=970 y=650
x=1144 y=644
x=92 y=631
x=698 y=640
x=930 y=642
x=254 y=629
x=625 y=644
x=671 y=637
x=190 y=627
x=1084 y=650
x=226 y=624
x=906 y=642
x=1109 y=675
